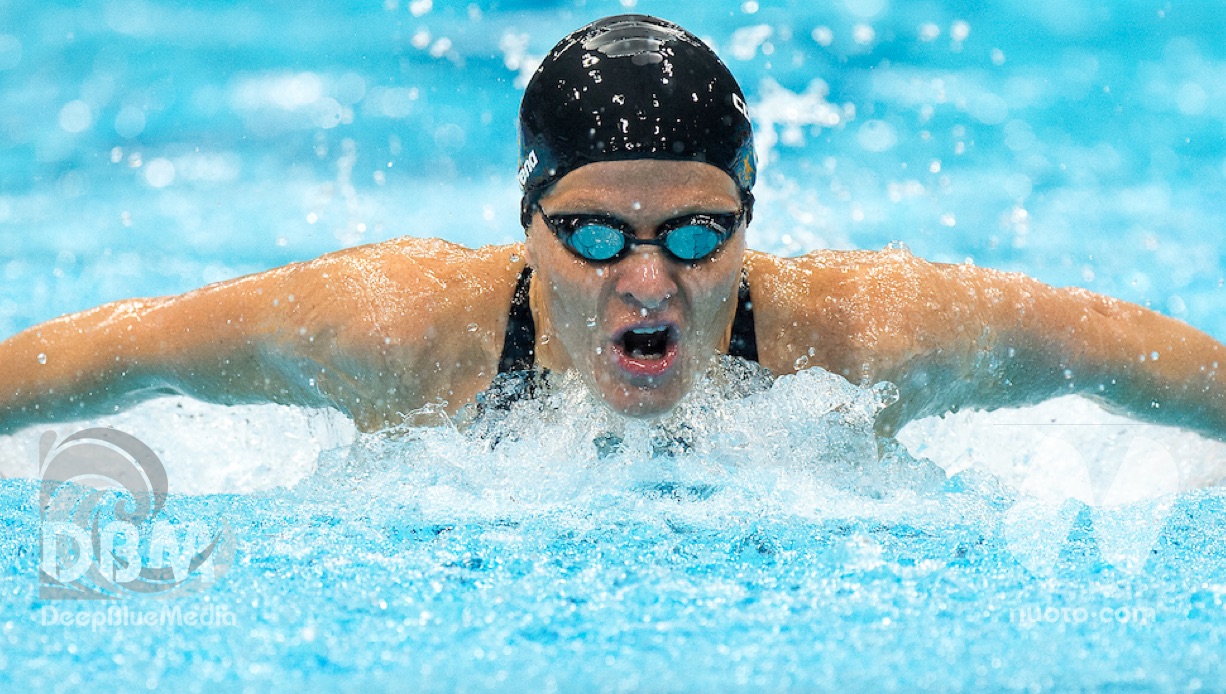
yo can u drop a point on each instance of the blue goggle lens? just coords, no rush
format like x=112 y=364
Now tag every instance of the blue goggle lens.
x=597 y=241
x=692 y=242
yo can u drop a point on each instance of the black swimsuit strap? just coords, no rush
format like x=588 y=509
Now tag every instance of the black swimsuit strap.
x=519 y=346
x=744 y=342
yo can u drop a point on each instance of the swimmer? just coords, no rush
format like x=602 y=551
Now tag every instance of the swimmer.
x=637 y=168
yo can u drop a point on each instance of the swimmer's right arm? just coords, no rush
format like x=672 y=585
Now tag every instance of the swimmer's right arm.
x=207 y=343
x=294 y=335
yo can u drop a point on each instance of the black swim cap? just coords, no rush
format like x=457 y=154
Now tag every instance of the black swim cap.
x=631 y=87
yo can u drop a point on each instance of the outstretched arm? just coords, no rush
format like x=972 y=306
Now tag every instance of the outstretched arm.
x=1016 y=341
x=211 y=343
x=959 y=336
x=294 y=335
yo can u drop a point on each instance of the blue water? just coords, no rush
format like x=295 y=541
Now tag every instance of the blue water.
x=147 y=148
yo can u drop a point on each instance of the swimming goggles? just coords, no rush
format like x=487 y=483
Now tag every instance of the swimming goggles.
x=602 y=238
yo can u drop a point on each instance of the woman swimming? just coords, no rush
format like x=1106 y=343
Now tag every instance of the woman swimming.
x=637 y=166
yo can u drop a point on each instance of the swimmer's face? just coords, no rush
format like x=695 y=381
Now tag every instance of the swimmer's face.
x=641 y=329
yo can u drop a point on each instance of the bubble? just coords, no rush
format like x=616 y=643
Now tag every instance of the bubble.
x=159 y=172
x=42 y=358
x=130 y=122
x=1019 y=135
x=327 y=113
x=959 y=31
x=877 y=136
x=76 y=116
x=440 y=47
x=866 y=9
x=823 y=36
x=1191 y=99
x=863 y=34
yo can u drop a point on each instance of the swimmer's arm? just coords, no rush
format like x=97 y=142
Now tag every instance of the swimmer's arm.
x=249 y=340
x=205 y=343
x=988 y=339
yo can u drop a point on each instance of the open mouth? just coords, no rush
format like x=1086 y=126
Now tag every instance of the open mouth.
x=646 y=343
x=646 y=350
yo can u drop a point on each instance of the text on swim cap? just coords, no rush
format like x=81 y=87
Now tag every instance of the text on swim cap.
x=739 y=104
x=528 y=166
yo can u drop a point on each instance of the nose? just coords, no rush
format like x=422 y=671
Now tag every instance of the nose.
x=644 y=279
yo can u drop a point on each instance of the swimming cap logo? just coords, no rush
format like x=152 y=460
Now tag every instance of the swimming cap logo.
x=528 y=167
x=739 y=104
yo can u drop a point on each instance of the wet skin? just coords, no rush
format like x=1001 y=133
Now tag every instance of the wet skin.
x=582 y=308
x=380 y=331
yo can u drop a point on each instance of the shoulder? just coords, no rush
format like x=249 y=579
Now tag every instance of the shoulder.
x=853 y=311
x=408 y=321
x=383 y=285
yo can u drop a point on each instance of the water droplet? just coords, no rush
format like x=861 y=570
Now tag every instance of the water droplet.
x=514 y=257
x=599 y=351
x=544 y=339
x=591 y=322
x=600 y=272
x=472 y=327
x=42 y=358
x=801 y=363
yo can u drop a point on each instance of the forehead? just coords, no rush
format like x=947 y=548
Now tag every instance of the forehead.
x=643 y=185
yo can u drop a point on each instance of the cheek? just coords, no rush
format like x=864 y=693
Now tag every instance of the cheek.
x=714 y=296
x=573 y=301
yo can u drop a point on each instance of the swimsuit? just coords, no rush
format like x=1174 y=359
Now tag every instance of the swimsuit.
x=519 y=346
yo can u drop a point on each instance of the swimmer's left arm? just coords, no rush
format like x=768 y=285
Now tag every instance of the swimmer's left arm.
x=987 y=339
x=959 y=336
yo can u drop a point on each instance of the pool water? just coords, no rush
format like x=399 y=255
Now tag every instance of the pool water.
x=761 y=537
